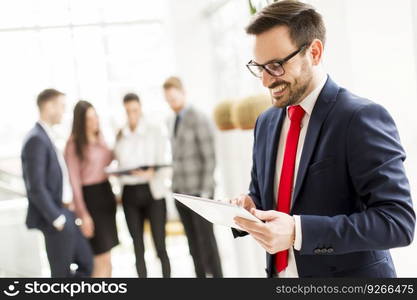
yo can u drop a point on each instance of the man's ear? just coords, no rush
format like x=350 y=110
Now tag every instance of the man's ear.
x=316 y=51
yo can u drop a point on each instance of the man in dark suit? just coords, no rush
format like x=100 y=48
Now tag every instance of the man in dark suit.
x=49 y=193
x=327 y=178
x=194 y=161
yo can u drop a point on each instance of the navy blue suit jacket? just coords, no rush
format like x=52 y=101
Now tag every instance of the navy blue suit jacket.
x=43 y=179
x=351 y=192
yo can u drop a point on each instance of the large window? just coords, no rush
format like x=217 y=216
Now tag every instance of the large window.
x=231 y=46
x=94 y=50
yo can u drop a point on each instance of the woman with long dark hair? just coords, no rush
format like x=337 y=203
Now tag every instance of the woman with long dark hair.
x=87 y=155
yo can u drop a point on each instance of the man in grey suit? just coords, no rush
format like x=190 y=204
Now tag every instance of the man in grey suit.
x=193 y=167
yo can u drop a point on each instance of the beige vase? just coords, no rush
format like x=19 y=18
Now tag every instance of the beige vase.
x=245 y=112
x=222 y=115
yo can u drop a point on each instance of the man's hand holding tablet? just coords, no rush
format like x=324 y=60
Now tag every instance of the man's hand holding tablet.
x=277 y=233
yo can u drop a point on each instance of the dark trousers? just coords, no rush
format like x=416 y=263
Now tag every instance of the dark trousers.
x=66 y=247
x=138 y=205
x=201 y=241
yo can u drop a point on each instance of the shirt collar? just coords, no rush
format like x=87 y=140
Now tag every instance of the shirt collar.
x=310 y=100
x=47 y=128
x=182 y=112
x=139 y=130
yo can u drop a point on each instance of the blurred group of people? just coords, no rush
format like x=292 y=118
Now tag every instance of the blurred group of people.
x=71 y=200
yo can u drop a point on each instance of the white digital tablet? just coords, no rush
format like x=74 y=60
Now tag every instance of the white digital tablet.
x=216 y=212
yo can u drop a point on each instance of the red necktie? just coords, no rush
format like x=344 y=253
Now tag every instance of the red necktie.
x=295 y=114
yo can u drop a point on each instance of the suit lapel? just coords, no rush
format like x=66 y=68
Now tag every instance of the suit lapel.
x=46 y=136
x=51 y=145
x=173 y=138
x=180 y=130
x=274 y=127
x=321 y=109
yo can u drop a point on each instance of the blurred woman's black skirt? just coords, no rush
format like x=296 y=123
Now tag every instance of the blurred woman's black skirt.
x=101 y=204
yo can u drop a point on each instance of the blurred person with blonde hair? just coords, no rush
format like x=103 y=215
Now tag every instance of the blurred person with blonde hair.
x=194 y=162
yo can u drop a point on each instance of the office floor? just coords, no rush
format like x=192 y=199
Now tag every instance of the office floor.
x=123 y=258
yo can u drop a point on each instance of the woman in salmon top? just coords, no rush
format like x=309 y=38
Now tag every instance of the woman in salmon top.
x=87 y=156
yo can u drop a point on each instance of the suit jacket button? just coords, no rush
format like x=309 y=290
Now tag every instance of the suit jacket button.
x=330 y=250
x=323 y=251
x=317 y=251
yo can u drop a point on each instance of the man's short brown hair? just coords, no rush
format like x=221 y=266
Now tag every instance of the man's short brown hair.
x=47 y=95
x=304 y=22
x=173 y=82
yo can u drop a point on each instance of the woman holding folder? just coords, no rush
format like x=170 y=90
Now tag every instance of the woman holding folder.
x=142 y=143
x=87 y=156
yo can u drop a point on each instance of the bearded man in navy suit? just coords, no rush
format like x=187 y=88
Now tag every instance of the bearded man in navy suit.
x=327 y=178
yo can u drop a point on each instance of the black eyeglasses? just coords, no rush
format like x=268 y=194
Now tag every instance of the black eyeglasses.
x=274 y=68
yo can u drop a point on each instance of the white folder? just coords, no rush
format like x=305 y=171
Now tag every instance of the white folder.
x=216 y=212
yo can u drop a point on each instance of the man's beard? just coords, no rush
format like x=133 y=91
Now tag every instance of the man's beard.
x=295 y=91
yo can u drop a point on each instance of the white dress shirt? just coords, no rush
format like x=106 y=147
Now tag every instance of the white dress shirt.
x=66 y=187
x=307 y=104
x=148 y=145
